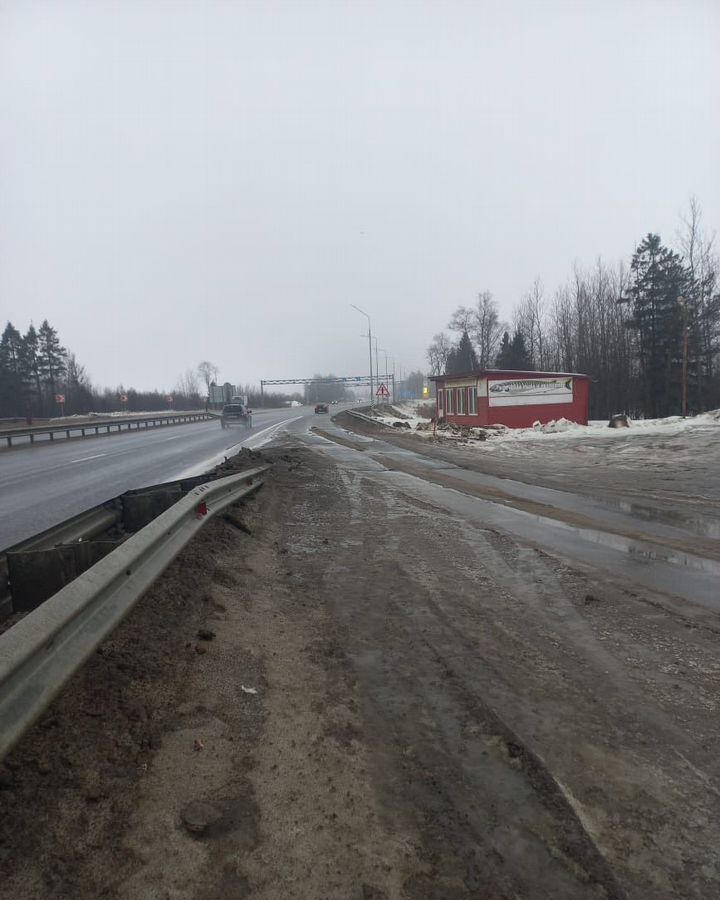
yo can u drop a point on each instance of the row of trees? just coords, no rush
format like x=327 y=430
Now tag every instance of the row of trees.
x=623 y=326
x=35 y=368
x=327 y=393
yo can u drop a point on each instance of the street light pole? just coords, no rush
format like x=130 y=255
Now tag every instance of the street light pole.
x=386 y=362
x=387 y=373
x=369 y=336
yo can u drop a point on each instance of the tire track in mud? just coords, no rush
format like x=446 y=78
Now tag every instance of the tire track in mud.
x=494 y=821
x=546 y=630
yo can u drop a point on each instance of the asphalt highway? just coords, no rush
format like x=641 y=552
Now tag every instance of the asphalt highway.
x=42 y=485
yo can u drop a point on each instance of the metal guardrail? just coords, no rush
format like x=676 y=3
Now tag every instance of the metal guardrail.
x=79 y=430
x=359 y=415
x=83 y=526
x=42 y=651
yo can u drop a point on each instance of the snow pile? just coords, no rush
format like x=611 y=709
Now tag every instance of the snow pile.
x=711 y=418
x=565 y=430
x=555 y=427
x=403 y=416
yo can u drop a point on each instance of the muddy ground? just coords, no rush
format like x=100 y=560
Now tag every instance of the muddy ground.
x=664 y=477
x=338 y=691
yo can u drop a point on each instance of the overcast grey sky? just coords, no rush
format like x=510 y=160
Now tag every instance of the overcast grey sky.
x=221 y=180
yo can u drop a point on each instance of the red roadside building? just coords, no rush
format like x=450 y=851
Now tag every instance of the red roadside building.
x=511 y=397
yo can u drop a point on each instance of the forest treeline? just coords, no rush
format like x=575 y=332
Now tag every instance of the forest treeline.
x=627 y=326
x=36 y=370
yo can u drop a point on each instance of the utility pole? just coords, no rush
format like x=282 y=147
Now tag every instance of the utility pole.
x=386 y=363
x=369 y=337
x=387 y=374
x=377 y=367
x=683 y=303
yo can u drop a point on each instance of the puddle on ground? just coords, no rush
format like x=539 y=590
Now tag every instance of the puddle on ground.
x=709 y=528
x=660 y=568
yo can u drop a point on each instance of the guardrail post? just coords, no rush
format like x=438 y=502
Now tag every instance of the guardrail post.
x=88 y=428
x=45 y=648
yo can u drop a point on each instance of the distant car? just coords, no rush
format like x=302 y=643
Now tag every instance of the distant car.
x=236 y=414
x=321 y=407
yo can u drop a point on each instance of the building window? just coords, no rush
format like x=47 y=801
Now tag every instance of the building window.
x=472 y=401
x=461 y=401
x=440 y=402
x=449 y=398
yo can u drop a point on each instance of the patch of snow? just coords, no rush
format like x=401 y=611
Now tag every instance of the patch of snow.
x=403 y=417
x=563 y=429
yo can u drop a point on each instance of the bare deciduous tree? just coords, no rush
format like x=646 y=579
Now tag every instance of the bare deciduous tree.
x=438 y=353
x=530 y=321
x=462 y=319
x=482 y=324
x=487 y=330
x=208 y=372
x=697 y=249
x=188 y=384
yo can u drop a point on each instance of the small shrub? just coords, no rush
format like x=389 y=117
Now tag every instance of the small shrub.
x=427 y=411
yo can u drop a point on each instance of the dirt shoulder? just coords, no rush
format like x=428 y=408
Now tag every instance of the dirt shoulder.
x=340 y=692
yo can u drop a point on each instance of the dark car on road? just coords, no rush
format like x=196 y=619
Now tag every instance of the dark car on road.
x=321 y=407
x=236 y=414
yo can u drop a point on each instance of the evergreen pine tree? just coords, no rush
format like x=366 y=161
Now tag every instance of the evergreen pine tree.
x=513 y=353
x=658 y=281
x=31 y=371
x=462 y=358
x=11 y=382
x=52 y=357
x=520 y=355
x=504 y=357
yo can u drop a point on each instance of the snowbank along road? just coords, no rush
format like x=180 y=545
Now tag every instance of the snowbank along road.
x=393 y=676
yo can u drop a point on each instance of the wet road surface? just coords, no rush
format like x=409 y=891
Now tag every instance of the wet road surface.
x=586 y=530
x=47 y=483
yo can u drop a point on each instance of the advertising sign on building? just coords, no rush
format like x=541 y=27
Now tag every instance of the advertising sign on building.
x=529 y=391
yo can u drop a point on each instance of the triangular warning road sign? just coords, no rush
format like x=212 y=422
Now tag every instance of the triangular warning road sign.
x=382 y=391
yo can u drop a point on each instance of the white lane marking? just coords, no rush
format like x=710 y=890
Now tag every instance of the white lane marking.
x=266 y=435
x=86 y=458
x=252 y=442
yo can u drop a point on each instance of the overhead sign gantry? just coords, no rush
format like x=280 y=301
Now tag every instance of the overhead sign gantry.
x=349 y=380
